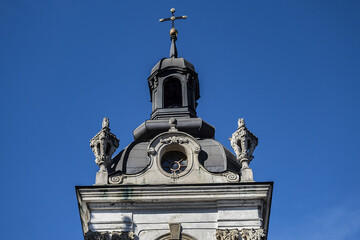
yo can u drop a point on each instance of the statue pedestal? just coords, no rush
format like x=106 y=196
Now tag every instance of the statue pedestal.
x=101 y=178
x=247 y=175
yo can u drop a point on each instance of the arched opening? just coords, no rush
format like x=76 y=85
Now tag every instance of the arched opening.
x=172 y=93
x=183 y=237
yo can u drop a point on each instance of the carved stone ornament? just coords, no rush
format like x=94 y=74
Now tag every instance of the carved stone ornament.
x=227 y=234
x=244 y=143
x=116 y=178
x=153 y=83
x=107 y=236
x=97 y=236
x=175 y=231
x=122 y=236
x=252 y=234
x=232 y=177
x=104 y=144
x=174 y=139
x=172 y=125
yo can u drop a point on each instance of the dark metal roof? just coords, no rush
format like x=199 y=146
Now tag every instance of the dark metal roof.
x=213 y=156
x=172 y=62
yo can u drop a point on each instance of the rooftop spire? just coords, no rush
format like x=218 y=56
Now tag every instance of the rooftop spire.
x=173 y=32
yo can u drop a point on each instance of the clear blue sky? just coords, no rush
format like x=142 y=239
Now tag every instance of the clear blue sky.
x=290 y=68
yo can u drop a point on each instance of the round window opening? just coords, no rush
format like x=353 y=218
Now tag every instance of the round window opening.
x=174 y=162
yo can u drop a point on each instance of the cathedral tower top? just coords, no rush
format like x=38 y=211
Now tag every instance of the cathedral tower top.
x=173 y=82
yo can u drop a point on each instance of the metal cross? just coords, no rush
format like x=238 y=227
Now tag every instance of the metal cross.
x=172 y=18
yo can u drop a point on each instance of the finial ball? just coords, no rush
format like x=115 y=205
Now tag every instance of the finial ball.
x=173 y=32
x=172 y=10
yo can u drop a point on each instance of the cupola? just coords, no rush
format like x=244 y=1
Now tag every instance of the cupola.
x=173 y=84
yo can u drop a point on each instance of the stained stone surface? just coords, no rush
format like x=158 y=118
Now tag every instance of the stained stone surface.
x=202 y=209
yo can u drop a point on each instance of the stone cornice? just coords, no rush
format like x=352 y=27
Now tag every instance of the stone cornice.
x=238 y=191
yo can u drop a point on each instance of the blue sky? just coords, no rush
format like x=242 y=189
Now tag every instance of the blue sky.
x=290 y=68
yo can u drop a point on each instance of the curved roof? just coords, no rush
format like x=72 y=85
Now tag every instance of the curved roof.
x=213 y=156
x=172 y=62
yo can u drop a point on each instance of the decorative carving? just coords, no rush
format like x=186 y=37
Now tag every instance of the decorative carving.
x=123 y=236
x=172 y=124
x=252 y=234
x=116 y=178
x=104 y=145
x=244 y=142
x=106 y=236
x=174 y=139
x=153 y=83
x=151 y=151
x=197 y=150
x=232 y=177
x=227 y=234
x=97 y=236
x=175 y=231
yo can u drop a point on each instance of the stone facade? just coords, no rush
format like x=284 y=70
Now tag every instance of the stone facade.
x=201 y=211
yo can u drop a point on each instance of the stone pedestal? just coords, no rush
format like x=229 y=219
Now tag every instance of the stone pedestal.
x=247 y=175
x=101 y=178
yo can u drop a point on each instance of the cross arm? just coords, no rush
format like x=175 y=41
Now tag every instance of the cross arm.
x=182 y=17
x=172 y=18
x=164 y=19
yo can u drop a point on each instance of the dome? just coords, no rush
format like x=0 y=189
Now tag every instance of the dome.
x=213 y=156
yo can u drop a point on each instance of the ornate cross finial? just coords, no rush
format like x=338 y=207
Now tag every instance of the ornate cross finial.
x=173 y=31
x=172 y=18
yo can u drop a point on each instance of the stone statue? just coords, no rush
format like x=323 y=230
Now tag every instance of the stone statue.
x=244 y=142
x=104 y=144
